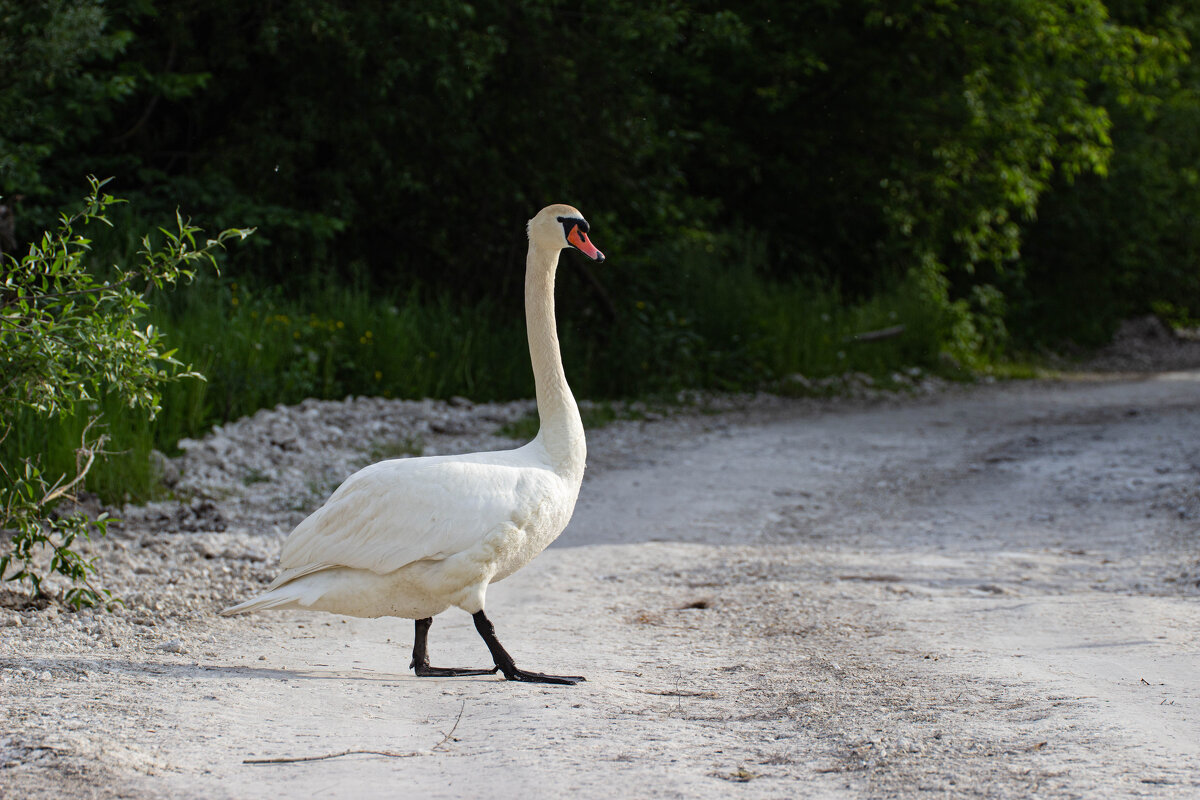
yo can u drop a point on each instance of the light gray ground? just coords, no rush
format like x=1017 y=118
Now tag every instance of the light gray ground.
x=987 y=592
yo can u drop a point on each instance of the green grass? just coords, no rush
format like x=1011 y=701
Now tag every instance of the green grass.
x=125 y=469
x=258 y=348
x=701 y=323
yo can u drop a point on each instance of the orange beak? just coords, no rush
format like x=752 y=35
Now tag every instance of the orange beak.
x=579 y=240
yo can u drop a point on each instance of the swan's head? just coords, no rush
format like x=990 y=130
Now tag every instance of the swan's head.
x=560 y=226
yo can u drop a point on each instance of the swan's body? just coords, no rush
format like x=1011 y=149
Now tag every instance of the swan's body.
x=413 y=537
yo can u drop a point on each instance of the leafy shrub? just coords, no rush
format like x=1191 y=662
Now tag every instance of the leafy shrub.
x=69 y=337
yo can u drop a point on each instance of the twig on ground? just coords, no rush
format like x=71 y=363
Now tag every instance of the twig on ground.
x=453 y=727
x=386 y=753
x=299 y=759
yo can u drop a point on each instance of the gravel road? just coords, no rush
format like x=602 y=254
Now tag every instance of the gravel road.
x=985 y=592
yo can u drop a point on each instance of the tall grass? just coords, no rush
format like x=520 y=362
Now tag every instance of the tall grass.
x=706 y=321
x=258 y=348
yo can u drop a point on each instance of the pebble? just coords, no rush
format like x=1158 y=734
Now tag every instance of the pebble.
x=172 y=646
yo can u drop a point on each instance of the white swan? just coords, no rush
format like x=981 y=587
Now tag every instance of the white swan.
x=412 y=537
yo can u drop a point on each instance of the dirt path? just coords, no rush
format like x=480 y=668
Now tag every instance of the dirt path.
x=990 y=593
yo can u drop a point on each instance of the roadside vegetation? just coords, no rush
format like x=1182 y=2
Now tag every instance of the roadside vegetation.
x=68 y=338
x=257 y=347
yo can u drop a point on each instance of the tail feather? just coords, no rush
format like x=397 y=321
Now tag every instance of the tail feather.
x=277 y=598
x=289 y=589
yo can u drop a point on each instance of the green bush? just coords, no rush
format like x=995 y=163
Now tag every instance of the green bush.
x=70 y=337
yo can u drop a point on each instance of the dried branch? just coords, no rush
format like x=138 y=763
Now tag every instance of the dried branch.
x=301 y=759
x=453 y=727
x=81 y=472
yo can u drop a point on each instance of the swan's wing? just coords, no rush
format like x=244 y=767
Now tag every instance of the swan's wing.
x=397 y=512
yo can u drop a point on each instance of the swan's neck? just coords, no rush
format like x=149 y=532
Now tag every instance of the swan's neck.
x=561 y=432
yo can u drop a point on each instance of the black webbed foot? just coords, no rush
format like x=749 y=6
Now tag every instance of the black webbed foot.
x=504 y=661
x=420 y=659
x=426 y=671
x=538 y=677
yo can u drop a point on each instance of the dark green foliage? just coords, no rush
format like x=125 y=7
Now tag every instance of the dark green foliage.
x=767 y=179
x=853 y=141
x=55 y=92
x=1102 y=250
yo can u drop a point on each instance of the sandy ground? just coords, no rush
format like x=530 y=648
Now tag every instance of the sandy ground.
x=991 y=592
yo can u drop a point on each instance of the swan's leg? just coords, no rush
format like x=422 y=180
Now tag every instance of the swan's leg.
x=420 y=659
x=504 y=661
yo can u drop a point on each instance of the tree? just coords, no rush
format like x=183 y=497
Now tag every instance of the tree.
x=854 y=142
x=1106 y=248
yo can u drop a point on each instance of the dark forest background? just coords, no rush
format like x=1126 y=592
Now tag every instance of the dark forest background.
x=767 y=179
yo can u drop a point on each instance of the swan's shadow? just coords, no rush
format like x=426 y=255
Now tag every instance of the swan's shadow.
x=119 y=666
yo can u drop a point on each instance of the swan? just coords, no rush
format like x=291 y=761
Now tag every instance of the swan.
x=412 y=537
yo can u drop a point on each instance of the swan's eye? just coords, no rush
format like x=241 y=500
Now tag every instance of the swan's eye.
x=570 y=222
